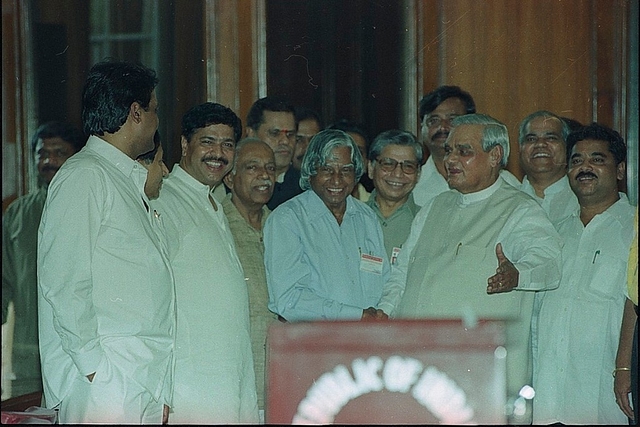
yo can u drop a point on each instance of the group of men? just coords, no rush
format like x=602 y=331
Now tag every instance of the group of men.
x=154 y=303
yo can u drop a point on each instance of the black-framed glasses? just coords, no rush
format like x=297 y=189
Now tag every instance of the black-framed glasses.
x=407 y=166
x=433 y=121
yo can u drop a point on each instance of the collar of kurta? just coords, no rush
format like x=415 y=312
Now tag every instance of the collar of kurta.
x=467 y=199
x=317 y=208
x=187 y=179
x=120 y=160
x=554 y=188
x=410 y=204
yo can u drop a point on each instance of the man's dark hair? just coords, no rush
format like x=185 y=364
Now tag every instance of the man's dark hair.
x=431 y=100
x=305 y=113
x=270 y=103
x=110 y=90
x=62 y=130
x=573 y=124
x=147 y=158
x=349 y=126
x=599 y=132
x=207 y=114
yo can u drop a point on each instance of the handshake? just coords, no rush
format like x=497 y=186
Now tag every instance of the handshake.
x=371 y=313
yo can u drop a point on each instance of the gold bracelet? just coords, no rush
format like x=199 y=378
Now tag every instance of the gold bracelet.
x=619 y=369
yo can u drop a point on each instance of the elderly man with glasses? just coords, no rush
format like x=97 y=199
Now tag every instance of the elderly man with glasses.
x=394 y=168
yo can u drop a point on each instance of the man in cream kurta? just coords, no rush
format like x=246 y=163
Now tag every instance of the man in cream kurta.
x=105 y=288
x=451 y=253
x=214 y=377
x=579 y=323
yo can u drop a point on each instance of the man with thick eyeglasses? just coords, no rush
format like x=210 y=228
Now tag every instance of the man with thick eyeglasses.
x=437 y=109
x=272 y=119
x=394 y=167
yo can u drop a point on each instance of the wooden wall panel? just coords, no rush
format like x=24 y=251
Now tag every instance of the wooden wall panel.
x=232 y=47
x=517 y=57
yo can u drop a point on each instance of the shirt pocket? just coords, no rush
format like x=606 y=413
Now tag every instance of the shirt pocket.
x=608 y=277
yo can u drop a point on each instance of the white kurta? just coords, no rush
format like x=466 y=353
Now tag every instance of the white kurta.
x=559 y=200
x=579 y=323
x=106 y=296
x=214 y=377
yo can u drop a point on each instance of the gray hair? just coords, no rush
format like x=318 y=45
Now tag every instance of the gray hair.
x=395 y=137
x=494 y=133
x=319 y=151
x=524 y=125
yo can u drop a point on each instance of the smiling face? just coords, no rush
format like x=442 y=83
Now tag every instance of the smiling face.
x=335 y=180
x=593 y=173
x=252 y=180
x=394 y=185
x=469 y=168
x=543 y=152
x=208 y=156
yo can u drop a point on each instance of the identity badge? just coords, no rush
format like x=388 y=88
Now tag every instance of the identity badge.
x=370 y=263
x=394 y=255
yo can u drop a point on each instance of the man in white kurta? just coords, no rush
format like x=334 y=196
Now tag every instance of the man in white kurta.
x=579 y=323
x=106 y=296
x=214 y=377
x=543 y=158
x=445 y=265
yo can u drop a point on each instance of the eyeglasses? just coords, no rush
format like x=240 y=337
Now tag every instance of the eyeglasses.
x=434 y=121
x=389 y=165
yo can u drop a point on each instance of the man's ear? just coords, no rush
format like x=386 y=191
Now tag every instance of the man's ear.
x=496 y=156
x=621 y=170
x=370 y=167
x=228 y=180
x=135 y=112
x=250 y=132
x=184 y=144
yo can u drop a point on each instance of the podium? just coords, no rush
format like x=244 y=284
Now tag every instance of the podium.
x=388 y=372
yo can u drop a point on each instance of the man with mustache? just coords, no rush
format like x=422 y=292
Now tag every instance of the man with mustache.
x=251 y=182
x=272 y=119
x=579 y=322
x=437 y=109
x=52 y=144
x=214 y=378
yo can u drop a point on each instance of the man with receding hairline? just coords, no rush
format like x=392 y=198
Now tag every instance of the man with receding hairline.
x=251 y=182
x=481 y=249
